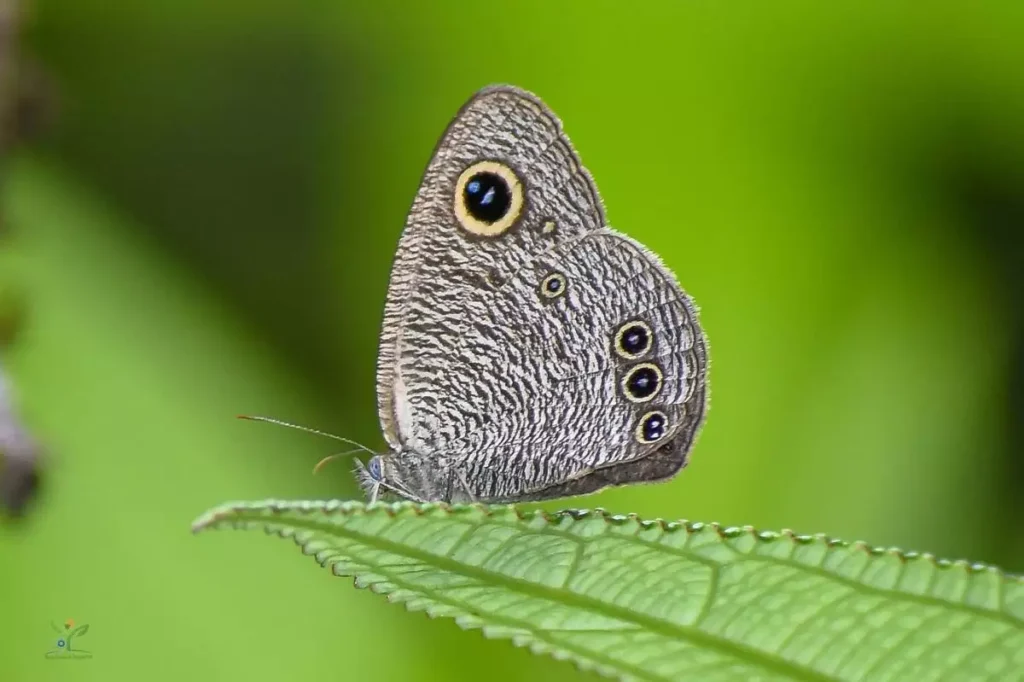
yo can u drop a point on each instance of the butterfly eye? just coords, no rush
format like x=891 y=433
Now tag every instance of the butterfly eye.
x=553 y=286
x=633 y=339
x=642 y=382
x=488 y=199
x=373 y=468
x=652 y=427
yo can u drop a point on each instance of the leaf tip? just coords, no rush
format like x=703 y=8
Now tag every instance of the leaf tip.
x=213 y=518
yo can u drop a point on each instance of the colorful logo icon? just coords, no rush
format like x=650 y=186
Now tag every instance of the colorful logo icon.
x=65 y=636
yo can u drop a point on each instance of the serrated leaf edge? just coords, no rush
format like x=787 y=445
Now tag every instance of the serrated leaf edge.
x=263 y=514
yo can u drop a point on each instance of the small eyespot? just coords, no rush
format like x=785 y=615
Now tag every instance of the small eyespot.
x=553 y=286
x=642 y=382
x=653 y=427
x=488 y=199
x=633 y=339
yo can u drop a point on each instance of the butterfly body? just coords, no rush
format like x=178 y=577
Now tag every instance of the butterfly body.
x=528 y=351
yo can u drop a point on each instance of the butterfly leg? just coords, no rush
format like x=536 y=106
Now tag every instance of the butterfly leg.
x=465 y=486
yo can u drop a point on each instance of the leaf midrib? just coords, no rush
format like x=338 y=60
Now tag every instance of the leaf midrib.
x=859 y=587
x=529 y=629
x=665 y=628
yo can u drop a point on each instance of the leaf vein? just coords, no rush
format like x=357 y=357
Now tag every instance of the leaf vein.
x=764 y=660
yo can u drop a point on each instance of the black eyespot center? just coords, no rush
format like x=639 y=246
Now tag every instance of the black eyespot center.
x=653 y=427
x=634 y=339
x=553 y=286
x=487 y=197
x=643 y=382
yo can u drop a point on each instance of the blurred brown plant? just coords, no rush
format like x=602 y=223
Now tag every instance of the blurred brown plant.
x=26 y=99
x=22 y=113
x=9 y=23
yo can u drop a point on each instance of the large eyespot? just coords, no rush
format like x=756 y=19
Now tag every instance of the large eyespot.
x=488 y=199
x=553 y=286
x=633 y=339
x=653 y=426
x=642 y=382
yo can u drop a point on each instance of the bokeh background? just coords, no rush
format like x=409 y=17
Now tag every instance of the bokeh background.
x=205 y=228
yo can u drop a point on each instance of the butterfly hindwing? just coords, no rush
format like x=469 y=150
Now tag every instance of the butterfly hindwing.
x=544 y=395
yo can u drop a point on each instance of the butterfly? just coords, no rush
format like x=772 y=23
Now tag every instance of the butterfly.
x=528 y=351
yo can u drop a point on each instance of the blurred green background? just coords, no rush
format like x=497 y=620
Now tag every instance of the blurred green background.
x=206 y=229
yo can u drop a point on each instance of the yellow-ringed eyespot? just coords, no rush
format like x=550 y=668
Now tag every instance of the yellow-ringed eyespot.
x=553 y=286
x=634 y=339
x=642 y=382
x=652 y=427
x=488 y=199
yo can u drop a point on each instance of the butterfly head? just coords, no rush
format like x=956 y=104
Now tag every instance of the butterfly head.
x=381 y=476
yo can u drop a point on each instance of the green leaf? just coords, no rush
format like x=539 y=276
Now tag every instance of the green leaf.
x=81 y=630
x=651 y=600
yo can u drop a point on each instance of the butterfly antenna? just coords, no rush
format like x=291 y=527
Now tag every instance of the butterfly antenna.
x=320 y=465
x=316 y=432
